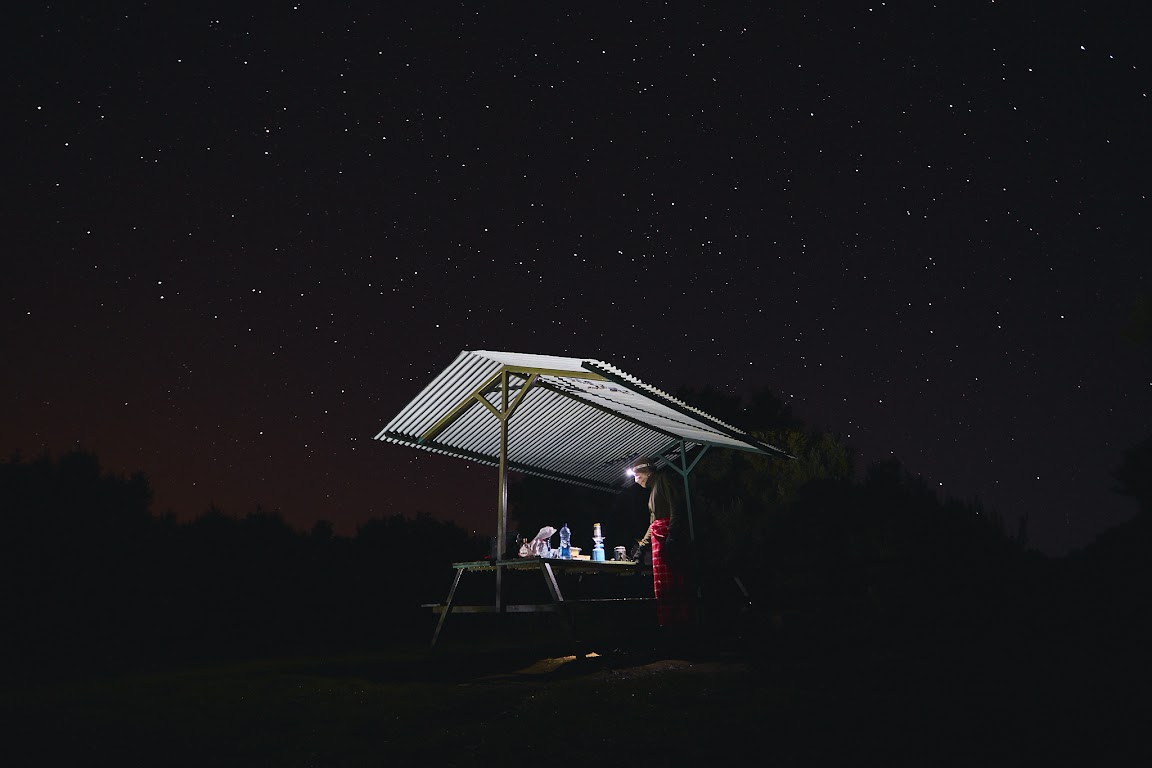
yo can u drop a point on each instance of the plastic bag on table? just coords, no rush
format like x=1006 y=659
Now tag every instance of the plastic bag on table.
x=540 y=546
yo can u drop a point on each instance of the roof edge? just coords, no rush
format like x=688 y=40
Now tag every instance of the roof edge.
x=616 y=375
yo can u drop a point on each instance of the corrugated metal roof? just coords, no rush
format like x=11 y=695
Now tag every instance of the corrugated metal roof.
x=581 y=421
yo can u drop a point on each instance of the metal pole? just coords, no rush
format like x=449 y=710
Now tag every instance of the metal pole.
x=502 y=487
x=684 y=469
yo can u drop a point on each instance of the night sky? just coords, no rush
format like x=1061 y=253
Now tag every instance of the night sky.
x=237 y=242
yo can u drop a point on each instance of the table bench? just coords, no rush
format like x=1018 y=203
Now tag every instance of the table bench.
x=548 y=569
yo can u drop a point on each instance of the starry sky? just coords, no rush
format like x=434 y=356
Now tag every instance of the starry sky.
x=236 y=242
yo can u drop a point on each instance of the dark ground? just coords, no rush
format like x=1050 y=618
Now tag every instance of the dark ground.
x=783 y=690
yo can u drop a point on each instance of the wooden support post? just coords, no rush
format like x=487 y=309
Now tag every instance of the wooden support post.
x=502 y=488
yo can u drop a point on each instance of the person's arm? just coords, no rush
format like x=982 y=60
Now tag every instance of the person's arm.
x=647 y=537
x=635 y=553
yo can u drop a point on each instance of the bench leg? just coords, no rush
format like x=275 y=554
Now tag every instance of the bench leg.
x=563 y=610
x=447 y=606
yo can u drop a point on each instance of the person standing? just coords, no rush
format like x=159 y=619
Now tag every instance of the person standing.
x=670 y=541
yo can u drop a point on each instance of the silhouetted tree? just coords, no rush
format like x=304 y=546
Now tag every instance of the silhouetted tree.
x=761 y=410
x=95 y=580
x=1134 y=475
x=323 y=530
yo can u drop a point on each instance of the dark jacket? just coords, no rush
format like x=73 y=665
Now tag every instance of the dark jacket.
x=665 y=500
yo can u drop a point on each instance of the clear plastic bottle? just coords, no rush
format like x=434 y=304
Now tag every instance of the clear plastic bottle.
x=565 y=543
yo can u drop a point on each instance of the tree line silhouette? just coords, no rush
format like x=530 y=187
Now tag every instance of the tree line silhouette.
x=93 y=580
x=798 y=556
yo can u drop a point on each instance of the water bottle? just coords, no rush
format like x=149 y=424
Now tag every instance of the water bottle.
x=598 y=538
x=565 y=543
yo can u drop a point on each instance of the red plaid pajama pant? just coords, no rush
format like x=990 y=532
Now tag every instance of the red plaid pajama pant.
x=669 y=581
